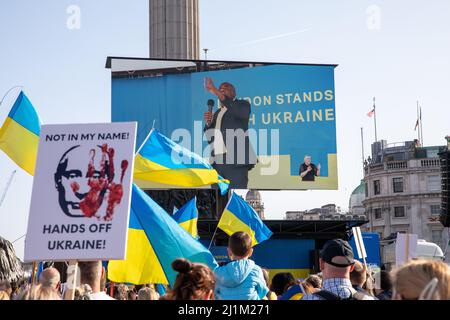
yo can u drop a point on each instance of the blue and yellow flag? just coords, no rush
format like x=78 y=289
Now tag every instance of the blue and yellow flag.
x=295 y=292
x=163 y=161
x=187 y=217
x=19 y=134
x=155 y=240
x=240 y=216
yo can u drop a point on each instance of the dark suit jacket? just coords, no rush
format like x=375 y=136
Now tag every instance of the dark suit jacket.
x=236 y=117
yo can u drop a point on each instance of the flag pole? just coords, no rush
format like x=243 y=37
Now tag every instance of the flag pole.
x=7 y=92
x=418 y=124
x=375 y=119
x=362 y=148
x=421 y=127
x=214 y=235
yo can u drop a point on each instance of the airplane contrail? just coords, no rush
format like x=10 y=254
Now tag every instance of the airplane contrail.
x=270 y=38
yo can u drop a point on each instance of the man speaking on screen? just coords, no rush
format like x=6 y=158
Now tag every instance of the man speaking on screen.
x=308 y=171
x=226 y=130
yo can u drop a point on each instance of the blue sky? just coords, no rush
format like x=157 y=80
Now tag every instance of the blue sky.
x=402 y=61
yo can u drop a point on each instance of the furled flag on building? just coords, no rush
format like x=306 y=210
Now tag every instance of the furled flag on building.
x=19 y=134
x=163 y=161
x=240 y=216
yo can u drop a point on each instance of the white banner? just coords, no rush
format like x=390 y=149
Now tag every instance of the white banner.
x=80 y=202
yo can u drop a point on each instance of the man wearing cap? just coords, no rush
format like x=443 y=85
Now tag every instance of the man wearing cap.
x=336 y=263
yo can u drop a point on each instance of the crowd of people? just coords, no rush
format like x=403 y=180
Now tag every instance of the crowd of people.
x=342 y=277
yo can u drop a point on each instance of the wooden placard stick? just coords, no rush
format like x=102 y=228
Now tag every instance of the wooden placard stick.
x=71 y=284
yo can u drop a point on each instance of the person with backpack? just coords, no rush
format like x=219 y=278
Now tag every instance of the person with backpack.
x=336 y=263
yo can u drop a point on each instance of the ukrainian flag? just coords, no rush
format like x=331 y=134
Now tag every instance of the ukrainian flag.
x=240 y=216
x=295 y=292
x=155 y=240
x=187 y=217
x=19 y=134
x=163 y=161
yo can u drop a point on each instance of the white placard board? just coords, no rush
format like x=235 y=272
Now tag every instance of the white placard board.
x=80 y=202
x=405 y=248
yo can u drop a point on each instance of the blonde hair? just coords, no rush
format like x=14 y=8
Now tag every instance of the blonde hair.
x=148 y=294
x=4 y=295
x=38 y=292
x=414 y=279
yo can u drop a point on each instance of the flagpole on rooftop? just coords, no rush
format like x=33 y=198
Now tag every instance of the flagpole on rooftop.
x=421 y=127
x=375 y=119
x=418 y=124
x=362 y=148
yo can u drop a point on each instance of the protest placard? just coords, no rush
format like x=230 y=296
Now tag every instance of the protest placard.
x=405 y=248
x=81 y=193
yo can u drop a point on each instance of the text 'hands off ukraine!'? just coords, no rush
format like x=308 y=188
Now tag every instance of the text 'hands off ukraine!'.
x=93 y=228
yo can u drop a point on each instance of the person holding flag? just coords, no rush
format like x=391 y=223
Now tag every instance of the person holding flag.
x=241 y=279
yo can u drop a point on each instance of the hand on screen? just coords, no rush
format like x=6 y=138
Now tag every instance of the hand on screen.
x=208 y=116
x=209 y=85
x=318 y=166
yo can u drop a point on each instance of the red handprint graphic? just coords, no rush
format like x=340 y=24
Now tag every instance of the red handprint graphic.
x=101 y=185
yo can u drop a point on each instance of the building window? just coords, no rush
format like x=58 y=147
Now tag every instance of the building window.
x=399 y=212
x=376 y=187
x=397 y=183
x=377 y=213
x=366 y=189
x=434 y=183
x=435 y=209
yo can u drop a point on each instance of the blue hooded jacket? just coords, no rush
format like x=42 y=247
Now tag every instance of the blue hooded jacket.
x=240 y=280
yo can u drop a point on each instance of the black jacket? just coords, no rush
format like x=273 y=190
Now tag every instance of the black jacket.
x=237 y=116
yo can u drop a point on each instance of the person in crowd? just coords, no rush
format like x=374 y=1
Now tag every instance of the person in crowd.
x=312 y=284
x=195 y=281
x=5 y=290
x=39 y=292
x=270 y=295
x=92 y=273
x=240 y=279
x=4 y=295
x=146 y=293
x=281 y=282
x=121 y=292
x=358 y=278
x=336 y=263
x=385 y=289
x=50 y=278
x=83 y=292
x=421 y=280
x=132 y=294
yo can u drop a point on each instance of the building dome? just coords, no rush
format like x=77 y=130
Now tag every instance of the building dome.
x=361 y=189
x=356 y=198
x=253 y=195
